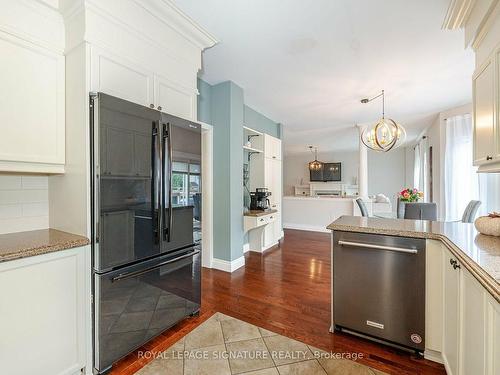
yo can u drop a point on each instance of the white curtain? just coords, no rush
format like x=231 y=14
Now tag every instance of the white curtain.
x=416 y=167
x=461 y=182
x=420 y=168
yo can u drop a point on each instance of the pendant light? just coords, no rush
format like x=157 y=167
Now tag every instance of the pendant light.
x=315 y=165
x=386 y=134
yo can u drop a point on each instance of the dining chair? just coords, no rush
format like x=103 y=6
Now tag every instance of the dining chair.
x=362 y=207
x=421 y=211
x=470 y=211
x=400 y=210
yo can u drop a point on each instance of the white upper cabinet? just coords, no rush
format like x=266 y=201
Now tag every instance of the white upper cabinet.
x=175 y=99
x=32 y=99
x=117 y=76
x=482 y=32
x=272 y=147
x=485 y=144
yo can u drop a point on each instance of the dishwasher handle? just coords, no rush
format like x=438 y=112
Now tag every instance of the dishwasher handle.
x=378 y=247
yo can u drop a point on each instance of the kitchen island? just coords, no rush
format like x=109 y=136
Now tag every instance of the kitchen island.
x=462 y=286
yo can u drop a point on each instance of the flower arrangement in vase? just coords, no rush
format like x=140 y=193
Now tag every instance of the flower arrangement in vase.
x=410 y=195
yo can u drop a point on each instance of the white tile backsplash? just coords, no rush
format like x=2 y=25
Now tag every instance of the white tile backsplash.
x=24 y=203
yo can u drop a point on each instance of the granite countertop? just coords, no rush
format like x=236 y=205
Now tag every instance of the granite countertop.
x=479 y=253
x=37 y=242
x=257 y=213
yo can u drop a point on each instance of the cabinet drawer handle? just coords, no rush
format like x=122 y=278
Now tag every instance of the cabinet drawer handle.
x=489 y=157
x=261 y=219
x=270 y=217
x=159 y=107
x=151 y=106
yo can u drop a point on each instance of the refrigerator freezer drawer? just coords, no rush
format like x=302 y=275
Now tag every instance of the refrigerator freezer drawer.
x=137 y=303
x=379 y=287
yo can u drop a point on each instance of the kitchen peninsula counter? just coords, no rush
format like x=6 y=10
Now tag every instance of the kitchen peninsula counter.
x=479 y=253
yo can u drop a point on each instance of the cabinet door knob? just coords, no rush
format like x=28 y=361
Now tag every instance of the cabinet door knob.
x=453 y=261
x=159 y=107
x=261 y=219
x=151 y=106
x=489 y=157
x=456 y=265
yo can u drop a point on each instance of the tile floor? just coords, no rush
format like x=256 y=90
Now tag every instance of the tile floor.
x=225 y=346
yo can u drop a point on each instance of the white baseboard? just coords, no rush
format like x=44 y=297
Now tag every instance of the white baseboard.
x=228 y=266
x=246 y=248
x=433 y=355
x=306 y=227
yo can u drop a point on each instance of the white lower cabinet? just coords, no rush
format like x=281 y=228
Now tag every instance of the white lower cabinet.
x=473 y=327
x=451 y=283
x=44 y=310
x=470 y=317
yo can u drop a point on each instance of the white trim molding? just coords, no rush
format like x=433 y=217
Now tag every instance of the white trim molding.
x=457 y=14
x=309 y=228
x=228 y=266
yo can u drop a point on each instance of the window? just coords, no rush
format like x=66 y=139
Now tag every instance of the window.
x=186 y=182
x=462 y=183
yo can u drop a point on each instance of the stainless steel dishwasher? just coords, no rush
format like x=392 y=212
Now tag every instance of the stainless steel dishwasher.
x=379 y=287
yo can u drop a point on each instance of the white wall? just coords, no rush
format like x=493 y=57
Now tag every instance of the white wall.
x=387 y=172
x=296 y=172
x=23 y=203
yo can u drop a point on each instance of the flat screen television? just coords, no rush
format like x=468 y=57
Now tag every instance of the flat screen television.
x=328 y=172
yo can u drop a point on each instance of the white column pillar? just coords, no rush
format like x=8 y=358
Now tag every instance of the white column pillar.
x=363 y=166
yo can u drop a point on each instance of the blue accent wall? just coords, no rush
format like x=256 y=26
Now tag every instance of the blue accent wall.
x=223 y=107
x=259 y=122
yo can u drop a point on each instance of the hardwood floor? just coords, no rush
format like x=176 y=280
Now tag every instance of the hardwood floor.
x=286 y=290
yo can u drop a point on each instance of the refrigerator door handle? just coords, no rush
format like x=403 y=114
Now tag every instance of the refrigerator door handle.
x=167 y=189
x=170 y=170
x=124 y=276
x=156 y=181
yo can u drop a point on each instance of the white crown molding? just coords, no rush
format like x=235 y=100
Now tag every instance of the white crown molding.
x=169 y=14
x=457 y=14
x=35 y=35
x=486 y=23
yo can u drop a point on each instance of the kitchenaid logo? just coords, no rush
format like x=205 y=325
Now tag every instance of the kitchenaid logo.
x=296 y=355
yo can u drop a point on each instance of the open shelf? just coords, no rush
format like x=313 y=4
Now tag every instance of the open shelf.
x=251 y=131
x=251 y=149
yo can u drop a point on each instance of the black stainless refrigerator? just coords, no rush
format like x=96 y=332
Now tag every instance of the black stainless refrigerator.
x=146 y=224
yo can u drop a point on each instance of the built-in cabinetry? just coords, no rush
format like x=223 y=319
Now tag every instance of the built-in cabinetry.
x=45 y=308
x=120 y=76
x=486 y=87
x=265 y=170
x=462 y=318
x=147 y=52
x=481 y=23
x=32 y=98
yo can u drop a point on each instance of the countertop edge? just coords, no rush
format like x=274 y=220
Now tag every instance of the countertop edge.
x=45 y=248
x=485 y=279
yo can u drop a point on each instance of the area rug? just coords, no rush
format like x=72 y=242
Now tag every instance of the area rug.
x=223 y=345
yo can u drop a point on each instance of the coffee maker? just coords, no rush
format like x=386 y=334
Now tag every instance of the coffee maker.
x=259 y=199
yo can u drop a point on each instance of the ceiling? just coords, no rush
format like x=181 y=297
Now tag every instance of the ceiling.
x=307 y=64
